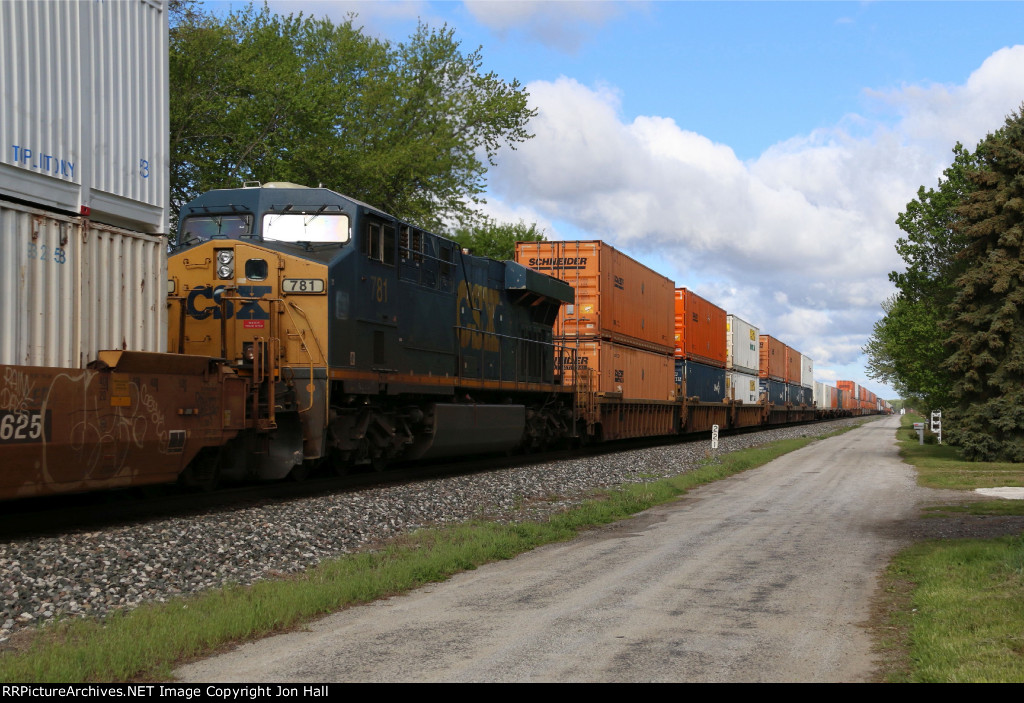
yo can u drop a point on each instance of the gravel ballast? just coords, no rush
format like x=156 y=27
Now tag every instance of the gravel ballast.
x=91 y=573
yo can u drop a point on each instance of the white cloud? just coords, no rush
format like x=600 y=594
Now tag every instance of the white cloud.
x=800 y=239
x=939 y=115
x=560 y=24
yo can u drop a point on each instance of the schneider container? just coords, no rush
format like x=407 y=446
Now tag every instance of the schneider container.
x=617 y=298
x=792 y=366
x=772 y=358
x=620 y=371
x=700 y=329
x=84 y=120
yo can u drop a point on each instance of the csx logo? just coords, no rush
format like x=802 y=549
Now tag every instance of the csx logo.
x=210 y=299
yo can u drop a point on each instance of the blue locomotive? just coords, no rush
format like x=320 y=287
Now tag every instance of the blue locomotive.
x=364 y=339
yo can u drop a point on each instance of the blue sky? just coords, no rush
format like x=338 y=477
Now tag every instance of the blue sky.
x=757 y=152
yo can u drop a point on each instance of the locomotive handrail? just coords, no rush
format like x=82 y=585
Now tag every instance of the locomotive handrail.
x=302 y=338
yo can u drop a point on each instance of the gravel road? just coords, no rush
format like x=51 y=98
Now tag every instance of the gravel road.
x=766 y=576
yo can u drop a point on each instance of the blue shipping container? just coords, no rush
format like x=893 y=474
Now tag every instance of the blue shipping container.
x=705 y=382
x=776 y=390
x=801 y=395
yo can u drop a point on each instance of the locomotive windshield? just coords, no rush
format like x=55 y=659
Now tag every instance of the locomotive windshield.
x=203 y=228
x=306 y=227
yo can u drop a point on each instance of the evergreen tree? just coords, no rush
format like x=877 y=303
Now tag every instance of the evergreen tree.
x=986 y=326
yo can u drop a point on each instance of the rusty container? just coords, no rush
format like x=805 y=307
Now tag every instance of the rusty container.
x=700 y=329
x=793 y=366
x=617 y=298
x=773 y=358
x=619 y=371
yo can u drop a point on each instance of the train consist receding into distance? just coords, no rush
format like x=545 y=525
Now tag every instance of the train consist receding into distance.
x=306 y=329
x=294 y=329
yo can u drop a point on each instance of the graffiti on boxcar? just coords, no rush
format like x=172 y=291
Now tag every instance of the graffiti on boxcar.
x=103 y=429
x=16 y=391
x=156 y=416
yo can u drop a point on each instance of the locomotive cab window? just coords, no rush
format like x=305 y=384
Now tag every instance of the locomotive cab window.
x=311 y=227
x=209 y=227
x=379 y=243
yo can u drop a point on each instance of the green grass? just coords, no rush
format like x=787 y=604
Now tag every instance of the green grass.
x=956 y=607
x=966 y=610
x=940 y=465
x=148 y=642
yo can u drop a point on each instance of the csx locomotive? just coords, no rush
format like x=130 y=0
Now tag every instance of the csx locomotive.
x=364 y=339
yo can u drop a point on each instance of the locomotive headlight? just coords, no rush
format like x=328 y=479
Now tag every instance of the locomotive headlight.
x=225 y=264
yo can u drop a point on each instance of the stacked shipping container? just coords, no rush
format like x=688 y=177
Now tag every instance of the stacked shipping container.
x=701 y=350
x=83 y=189
x=621 y=323
x=742 y=360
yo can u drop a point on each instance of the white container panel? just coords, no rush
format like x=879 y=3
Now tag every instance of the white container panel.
x=85 y=117
x=70 y=289
x=741 y=386
x=823 y=395
x=806 y=371
x=742 y=345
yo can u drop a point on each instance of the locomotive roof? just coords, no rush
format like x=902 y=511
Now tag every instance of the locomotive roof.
x=268 y=197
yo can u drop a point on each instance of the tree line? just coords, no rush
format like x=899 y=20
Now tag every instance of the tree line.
x=952 y=335
x=409 y=127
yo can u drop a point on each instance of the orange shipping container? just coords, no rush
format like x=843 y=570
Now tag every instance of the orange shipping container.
x=700 y=329
x=617 y=298
x=773 y=358
x=621 y=371
x=793 y=368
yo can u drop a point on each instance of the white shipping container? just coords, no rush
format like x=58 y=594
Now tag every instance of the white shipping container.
x=822 y=395
x=85 y=121
x=70 y=287
x=741 y=386
x=806 y=371
x=742 y=345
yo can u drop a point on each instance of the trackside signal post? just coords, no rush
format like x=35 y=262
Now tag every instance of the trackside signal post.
x=937 y=423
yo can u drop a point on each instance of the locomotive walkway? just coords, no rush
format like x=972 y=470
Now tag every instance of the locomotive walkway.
x=766 y=576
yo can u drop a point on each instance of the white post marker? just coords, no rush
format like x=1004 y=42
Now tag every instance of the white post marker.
x=714 y=436
x=937 y=423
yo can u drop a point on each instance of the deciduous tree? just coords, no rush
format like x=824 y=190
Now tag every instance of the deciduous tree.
x=906 y=348
x=497 y=240
x=409 y=127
